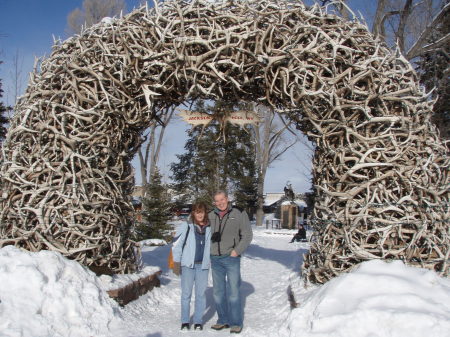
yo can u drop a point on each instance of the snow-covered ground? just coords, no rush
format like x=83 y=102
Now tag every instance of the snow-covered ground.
x=44 y=294
x=267 y=267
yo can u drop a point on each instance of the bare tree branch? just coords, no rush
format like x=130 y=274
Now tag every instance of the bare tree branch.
x=420 y=46
x=404 y=15
x=378 y=22
x=92 y=12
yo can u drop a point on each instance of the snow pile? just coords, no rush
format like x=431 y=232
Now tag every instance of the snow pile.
x=121 y=280
x=378 y=299
x=45 y=294
x=153 y=242
x=270 y=216
x=107 y=20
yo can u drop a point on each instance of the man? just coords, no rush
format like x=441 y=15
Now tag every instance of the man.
x=300 y=236
x=231 y=235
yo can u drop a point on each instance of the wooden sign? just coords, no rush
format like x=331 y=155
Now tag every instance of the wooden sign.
x=195 y=117
x=240 y=118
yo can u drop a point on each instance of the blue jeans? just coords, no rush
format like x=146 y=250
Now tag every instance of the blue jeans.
x=189 y=276
x=226 y=274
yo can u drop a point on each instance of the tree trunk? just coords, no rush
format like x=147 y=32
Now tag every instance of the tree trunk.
x=378 y=21
x=268 y=148
x=156 y=150
x=144 y=157
x=148 y=160
x=260 y=200
x=405 y=13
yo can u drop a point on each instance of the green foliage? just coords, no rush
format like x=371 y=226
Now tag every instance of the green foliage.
x=310 y=200
x=156 y=211
x=212 y=162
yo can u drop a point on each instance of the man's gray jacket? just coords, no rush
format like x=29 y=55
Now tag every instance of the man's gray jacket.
x=235 y=231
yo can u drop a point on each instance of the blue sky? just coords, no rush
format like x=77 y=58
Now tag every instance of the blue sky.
x=27 y=28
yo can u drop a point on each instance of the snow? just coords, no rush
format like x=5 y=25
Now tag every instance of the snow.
x=297 y=202
x=377 y=299
x=119 y=280
x=107 y=20
x=270 y=216
x=153 y=242
x=44 y=294
x=271 y=198
x=300 y=203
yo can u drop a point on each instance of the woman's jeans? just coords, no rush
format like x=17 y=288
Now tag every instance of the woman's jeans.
x=226 y=274
x=189 y=276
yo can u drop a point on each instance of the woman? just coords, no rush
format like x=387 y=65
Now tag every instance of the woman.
x=191 y=260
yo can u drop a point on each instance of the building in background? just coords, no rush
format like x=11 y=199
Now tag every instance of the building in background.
x=283 y=213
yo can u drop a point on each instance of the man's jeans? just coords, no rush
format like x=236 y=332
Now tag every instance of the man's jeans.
x=226 y=274
x=189 y=276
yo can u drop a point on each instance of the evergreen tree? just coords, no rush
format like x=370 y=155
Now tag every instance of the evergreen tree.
x=211 y=162
x=241 y=168
x=156 y=211
x=198 y=172
x=3 y=118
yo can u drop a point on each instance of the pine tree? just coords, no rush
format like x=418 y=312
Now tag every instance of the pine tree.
x=198 y=172
x=211 y=163
x=241 y=164
x=156 y=211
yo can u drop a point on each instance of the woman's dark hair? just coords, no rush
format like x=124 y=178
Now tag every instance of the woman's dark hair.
x=199 y=206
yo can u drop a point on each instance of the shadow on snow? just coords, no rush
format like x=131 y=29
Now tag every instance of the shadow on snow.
x=292 y=259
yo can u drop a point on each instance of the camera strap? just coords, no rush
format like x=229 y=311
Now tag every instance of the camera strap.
x=222 y=229
x=185 y=238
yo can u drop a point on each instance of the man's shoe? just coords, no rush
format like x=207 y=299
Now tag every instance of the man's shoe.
x=236 y=329
x=198 y=327
x=219 y=326
x=184 y=326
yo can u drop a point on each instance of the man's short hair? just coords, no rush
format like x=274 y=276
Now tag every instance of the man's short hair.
x=225 y=193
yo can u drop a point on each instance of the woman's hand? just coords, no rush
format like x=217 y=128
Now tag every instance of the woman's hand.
x=177 y=268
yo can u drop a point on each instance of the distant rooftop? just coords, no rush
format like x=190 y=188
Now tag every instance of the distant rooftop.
x=271 y=198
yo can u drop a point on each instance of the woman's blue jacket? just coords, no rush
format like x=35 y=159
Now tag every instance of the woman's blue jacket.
x=187 y=257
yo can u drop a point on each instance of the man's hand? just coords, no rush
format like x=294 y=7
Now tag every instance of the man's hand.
x=177 y=268
x=234 y=254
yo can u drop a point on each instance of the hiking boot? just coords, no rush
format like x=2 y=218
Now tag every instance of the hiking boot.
x=219 y=326
x=184 y=327
x=236 y=329
x=198 y=327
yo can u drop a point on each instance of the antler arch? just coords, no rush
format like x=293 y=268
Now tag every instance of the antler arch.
x=380 y=170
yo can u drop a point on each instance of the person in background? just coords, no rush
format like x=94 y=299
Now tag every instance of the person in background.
x=231 y=235
x=191 y=257
x=300 y=236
